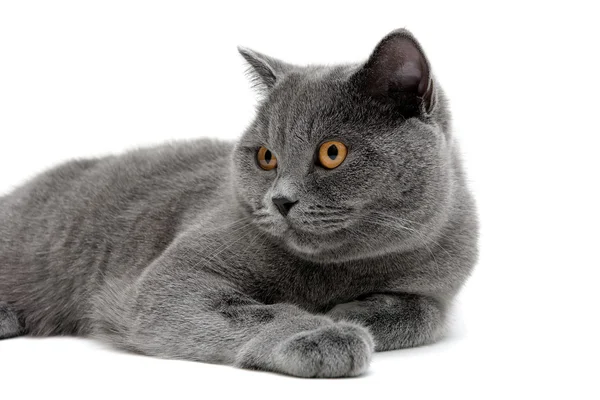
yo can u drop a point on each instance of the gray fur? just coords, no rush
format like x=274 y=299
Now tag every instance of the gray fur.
x=177 y=251
x=9 y=322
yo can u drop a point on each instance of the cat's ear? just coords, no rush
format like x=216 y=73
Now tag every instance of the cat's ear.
x=264 y=71
x=398 y=70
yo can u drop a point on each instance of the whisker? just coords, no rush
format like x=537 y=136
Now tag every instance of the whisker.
x=324 y=221
x=206 y=234
x=324 y=213
x=420 y=236
x=209 y=235
x=322 y=207
x=228 y=245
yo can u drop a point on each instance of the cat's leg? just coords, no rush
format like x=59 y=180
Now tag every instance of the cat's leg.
x=186 y=313
x=10 y=325
x=396 y=320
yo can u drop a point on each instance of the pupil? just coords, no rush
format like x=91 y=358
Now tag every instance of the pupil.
x=268 y=156
x=332 y=152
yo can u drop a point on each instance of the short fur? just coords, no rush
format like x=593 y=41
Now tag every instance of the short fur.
x=178 y=251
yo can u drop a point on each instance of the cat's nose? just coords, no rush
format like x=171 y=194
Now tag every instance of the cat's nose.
x=284 y=205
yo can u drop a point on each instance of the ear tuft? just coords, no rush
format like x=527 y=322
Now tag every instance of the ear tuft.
x=398 y=70
x=264 y=71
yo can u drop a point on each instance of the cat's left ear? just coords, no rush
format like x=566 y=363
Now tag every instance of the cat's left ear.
x=398 y=70
x=264 y=71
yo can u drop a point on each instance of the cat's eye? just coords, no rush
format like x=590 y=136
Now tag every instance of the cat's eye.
x=332 y=154
x=266 y=159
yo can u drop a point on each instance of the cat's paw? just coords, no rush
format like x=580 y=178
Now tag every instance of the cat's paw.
x=332 y=351
x=356 y=310
x=345 y=311
x=9 y=322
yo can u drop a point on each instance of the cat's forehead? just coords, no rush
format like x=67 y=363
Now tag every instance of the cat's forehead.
x=308 y=108
x=314 y=86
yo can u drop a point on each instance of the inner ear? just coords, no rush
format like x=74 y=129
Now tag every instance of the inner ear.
x=399 y=71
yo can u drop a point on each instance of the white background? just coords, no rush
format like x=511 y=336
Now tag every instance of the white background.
x=85 y=78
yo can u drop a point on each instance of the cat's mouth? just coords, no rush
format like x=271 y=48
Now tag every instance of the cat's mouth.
x=318 y=228
x=311 y=232
x=308 y=223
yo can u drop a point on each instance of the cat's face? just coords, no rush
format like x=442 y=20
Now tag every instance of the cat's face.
x=333 y=170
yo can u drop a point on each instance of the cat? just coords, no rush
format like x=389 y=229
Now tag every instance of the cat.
x=338 y=225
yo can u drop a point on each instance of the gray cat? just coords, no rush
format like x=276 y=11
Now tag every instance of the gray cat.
x=338 y=225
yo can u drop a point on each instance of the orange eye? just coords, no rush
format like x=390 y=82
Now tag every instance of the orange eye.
x=332 y=154
x=266 y=159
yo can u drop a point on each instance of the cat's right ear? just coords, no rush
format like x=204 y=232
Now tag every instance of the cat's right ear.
x=264 y=71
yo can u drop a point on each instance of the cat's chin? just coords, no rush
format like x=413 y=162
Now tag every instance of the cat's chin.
x=330 y=247
x=320 y=255
x=311 y=247
x=304 y=249
x=316 y=249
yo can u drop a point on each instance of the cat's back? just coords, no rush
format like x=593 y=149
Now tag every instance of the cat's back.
x=114 y=188
x=140 y=169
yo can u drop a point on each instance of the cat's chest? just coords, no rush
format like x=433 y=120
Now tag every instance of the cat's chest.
x=317 y=287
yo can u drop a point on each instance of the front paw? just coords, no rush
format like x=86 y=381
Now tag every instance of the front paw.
x=338 y=350
x=345 y=310
x=359 y=310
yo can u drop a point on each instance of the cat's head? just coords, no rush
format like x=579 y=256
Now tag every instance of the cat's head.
x=350 y=161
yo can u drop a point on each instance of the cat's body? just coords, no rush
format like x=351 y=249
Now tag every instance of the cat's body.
x=81 y=223
x=177 y=251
